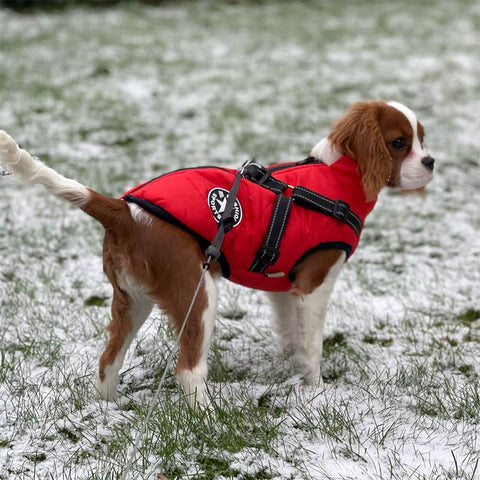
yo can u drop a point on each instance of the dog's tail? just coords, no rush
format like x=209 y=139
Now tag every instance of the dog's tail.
x=110 y=212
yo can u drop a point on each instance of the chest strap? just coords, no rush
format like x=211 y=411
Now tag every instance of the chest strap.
x=268 y=253
x=334 y=208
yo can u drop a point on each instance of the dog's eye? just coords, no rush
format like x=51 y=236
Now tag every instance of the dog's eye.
x=399 y=143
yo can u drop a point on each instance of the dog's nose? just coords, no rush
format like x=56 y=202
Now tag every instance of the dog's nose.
x=428 y=162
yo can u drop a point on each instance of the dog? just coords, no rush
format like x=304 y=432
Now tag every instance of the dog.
x=152 y=258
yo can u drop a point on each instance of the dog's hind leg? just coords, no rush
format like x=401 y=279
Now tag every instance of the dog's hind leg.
x=192 y=368
x=130 y=308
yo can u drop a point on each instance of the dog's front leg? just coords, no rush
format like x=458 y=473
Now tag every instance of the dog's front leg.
x=285 y=320
x=311 y=310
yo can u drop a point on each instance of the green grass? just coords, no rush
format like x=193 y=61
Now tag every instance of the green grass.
x=468 y=316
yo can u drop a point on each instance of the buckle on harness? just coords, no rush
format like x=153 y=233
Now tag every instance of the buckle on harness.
x=265 y=257
x=256 y=173
x=227 y=222
x=341 y=210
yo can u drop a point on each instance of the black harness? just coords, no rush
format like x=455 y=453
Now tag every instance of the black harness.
x=268 y=253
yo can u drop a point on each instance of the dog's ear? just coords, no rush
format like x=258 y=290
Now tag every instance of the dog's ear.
x=358 y=135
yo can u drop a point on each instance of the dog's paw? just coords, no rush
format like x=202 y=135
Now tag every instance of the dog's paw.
x=200 y=402
x=309 y=369
x=107 y=390
x=315 y=381
x=194 y=387
x=8 y=147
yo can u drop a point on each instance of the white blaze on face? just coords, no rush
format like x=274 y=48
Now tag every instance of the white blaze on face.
x=413 y=173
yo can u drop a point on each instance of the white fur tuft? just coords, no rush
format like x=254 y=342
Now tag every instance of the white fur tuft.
x=326 y=152
x=107 y=388
x=139 y=214
x=33 y=171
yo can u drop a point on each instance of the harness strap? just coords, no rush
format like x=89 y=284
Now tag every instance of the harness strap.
x=337 y=209
x=282 y=166
x=334 y=208
x=268 y=253
x=263 y=175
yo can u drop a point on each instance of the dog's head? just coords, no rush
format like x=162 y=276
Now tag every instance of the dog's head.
x=386 y=139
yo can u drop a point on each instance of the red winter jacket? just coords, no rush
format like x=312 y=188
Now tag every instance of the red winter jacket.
x=193 y=199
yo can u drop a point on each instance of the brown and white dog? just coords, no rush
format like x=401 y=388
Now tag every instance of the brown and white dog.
x=149 y=261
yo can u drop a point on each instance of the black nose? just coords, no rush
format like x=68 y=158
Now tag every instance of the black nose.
x=428 y=162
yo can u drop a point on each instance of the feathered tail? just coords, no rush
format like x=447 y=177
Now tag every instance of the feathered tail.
x=108 y=211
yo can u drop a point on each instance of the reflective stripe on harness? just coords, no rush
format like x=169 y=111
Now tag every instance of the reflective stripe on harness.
x=268 y=253
x=334 y=208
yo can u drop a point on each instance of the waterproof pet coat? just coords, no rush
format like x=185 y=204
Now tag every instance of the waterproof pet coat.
x=194 y=199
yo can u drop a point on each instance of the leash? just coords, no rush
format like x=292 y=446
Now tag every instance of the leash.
x=212 y=253
x=227 y=221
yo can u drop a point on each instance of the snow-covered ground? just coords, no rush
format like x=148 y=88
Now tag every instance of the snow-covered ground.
x=112 y=97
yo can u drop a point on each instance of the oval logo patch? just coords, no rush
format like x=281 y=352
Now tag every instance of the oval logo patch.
x=217 y=201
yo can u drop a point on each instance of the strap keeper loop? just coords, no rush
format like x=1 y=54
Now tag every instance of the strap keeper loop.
x=264 y=178
x=255 y=172
x=268 y=254
x=341 y=209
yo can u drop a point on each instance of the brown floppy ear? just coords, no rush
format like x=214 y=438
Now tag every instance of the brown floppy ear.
x=358 y=135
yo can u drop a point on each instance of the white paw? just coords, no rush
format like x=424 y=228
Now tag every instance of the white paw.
x=8 y=147
x=193 y=384
x=199 y=400
x=107 y=388
x=310 y=370
x=315 y=381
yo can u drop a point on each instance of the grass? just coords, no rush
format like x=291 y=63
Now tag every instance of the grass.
x=116 y=96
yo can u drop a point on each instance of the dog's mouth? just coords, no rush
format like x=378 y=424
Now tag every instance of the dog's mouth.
x=413 y=175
